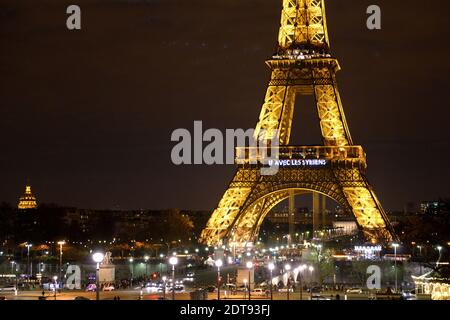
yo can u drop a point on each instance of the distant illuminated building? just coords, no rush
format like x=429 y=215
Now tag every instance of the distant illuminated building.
x=28 y=200
x=368 y=252
x=434 y=207
x=346 y=227
x=435 y=283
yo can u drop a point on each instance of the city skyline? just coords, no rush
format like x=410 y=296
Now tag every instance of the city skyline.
x=92 y=129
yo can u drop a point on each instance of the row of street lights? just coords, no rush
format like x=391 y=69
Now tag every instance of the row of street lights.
x=98 y=258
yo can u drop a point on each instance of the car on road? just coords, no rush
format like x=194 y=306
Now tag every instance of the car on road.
x=50 y=286
x=230 y=287
x=178 y=288
x=189 y=276
x=108 y=287
x=285 y=290
x=162 y=289
x=8 y=288
x=151 y=287
x=259 y=292
x=91 y=287
x=241 y=288
x=409 y=295
x=319 y=297
x=81 y=298
x=355 y=290
x=315 y=290
x=210 y=289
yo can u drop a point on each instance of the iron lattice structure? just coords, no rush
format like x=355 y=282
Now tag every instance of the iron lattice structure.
x=301 y=65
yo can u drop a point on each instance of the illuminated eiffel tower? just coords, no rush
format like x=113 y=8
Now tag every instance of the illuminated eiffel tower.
x=302 y=65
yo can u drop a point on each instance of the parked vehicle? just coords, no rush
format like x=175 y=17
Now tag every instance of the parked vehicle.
x=210 y=289
x=259 y=292
x=50 y=286
x=151 y=287
x=8 y=288
x=108 y=287
x=315 y=290
x=319 y=297
x=355 y=290
x=91 y=287
x=409 y=295
x=230 y=287
x=242 y=288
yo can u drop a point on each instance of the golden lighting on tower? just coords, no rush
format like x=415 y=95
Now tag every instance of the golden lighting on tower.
x=302 y=65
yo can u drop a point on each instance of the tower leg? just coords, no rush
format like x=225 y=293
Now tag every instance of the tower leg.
x=291 y=216
x=368 y=212
x=316 y=213
x=323 y=209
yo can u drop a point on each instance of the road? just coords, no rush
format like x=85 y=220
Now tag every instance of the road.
x=136 y=295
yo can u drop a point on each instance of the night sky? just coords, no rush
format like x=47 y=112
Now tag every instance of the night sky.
x=87 y=115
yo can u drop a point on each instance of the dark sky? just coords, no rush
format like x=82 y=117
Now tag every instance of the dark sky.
x=87 y=115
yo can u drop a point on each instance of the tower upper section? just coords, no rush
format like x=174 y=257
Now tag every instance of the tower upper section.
x=303 y=27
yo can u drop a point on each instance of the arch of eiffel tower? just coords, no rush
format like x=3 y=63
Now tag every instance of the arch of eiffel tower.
x=302 y=65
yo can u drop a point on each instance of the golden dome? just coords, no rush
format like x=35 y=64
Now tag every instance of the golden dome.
x=28 y=200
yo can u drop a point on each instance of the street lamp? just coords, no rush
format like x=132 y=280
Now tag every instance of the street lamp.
x=61 y=243
x=54 y=286
x=271 y=268
x=420 y=250
x=219 y=264
x=97 y=257
x=173 y=261
x=164 y=279
x=287 y=267
x=28 y=245
x=249 y=267
x=301 y=268
x=439 y=248
x=311 y=269
x=245 y=285
x=161 y=256
x=146 y=265
x=14 y=270
x=132 y=270
x=395 y=245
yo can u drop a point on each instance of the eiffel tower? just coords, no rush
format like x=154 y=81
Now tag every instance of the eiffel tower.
x=301 y=65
